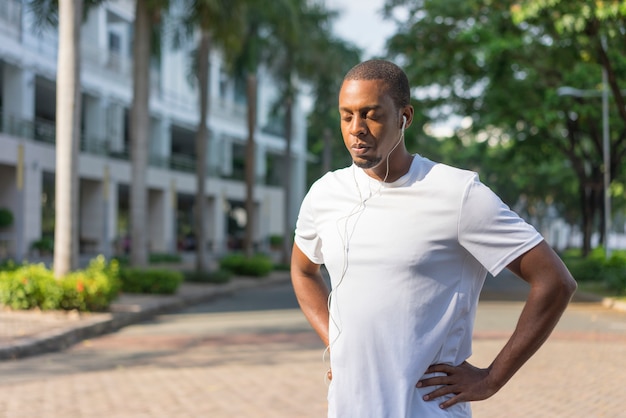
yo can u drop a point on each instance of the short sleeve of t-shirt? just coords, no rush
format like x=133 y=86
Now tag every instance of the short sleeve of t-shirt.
x=490 y=231
x=306 y=236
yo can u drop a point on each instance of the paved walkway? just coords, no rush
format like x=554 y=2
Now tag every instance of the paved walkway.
x=26 y=333
x=272 y=367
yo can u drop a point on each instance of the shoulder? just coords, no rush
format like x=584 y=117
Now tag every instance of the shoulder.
x=442 y=176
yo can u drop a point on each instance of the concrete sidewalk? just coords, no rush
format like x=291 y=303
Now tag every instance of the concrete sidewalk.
x=27 y=333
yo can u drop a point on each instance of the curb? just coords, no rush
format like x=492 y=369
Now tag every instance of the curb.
x=128 y=310
x=607 y=302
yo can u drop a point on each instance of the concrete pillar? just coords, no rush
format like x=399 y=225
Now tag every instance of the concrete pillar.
x=28 y=219
x=261 y=162
x=160 y=141
x=111 y=213
x=157 y=236
x=115 y=127
x=170 y=221
x=18 y=98
x=95 y=119
x=91 y=216
x=217 y=219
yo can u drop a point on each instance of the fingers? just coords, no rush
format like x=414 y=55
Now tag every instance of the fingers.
x=465 y=382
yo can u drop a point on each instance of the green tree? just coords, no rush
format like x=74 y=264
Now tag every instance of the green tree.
x=219 y=25
x=303 y=36
x=467 y=59
x=333 y=58
x=260 y=31
x=146 y=13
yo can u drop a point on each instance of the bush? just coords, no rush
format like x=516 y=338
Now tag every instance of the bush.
x=92 y=289
x=8 y=265
x=216 y=276
x=615 y=272
x=154 y=258
x=44 y=245
x=29 y=286
x=34 y=286
x=257 y=265
x=153 y=281
x=276 y=241
x=164 y=258
x=6 y=218
x=595 y=268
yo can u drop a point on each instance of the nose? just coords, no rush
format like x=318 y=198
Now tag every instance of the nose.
x=358 y=127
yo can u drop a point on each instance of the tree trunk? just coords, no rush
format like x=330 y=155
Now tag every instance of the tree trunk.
x=251 y=92
x=201 y=151
x=327 y=152
x=139 y=131
x=288 y=222
x=67 y=137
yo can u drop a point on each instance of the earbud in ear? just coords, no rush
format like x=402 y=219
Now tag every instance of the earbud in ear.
x=403 y=122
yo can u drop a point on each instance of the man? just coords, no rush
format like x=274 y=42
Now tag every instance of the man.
x=407 y=243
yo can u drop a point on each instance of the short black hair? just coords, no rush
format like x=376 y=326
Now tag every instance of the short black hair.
x=395 y=78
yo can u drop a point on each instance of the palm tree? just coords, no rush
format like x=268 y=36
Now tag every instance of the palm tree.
x=219 y=24
x=267 y=24
x=307 y=53
x=146 y=32
x=67 y=137
x=246 y=66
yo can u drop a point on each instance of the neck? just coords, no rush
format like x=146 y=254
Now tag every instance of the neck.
x=399 y=165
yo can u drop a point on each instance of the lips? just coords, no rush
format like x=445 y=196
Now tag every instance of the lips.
x=359 y=149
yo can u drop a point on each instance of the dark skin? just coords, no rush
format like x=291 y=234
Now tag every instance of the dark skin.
x=371 y=127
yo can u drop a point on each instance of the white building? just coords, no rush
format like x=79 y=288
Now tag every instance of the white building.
x=27 y=150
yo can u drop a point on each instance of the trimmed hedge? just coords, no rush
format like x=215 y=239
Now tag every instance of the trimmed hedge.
x=257 y=265
x=155 y=281
x=216 y=276
x=596 y=268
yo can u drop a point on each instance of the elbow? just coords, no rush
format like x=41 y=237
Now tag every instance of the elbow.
x=567 y=286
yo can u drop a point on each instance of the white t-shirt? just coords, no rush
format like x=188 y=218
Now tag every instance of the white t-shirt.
x=407 y=261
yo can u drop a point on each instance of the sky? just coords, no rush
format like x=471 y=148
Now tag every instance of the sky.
x=361 y=22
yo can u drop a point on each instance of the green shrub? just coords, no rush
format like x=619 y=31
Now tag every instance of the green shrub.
x=216 y=276
x=595 y=268
x=157 y=281
x=154 y=258
x=615 y=272
x=6 y=218
x=92 y=289
x=164 y=258
x=29 y=286
x=8 y=265
x=276 y=241
x=34 y=286
x=44 y=244
x=257 y=265
x=586 y=269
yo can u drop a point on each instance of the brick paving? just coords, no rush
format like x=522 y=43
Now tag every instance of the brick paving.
x=270 y=365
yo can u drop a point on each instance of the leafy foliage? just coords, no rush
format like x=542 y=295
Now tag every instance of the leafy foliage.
x=92 y=289
x=154 y=281
x=216 y=276
x=257 y=265
x=596 y=268
x=6 y=218
x=34 y=286
x=502 y=69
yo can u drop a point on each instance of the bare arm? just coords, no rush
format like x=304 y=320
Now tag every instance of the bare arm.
x=311 y=292
x=551 y=288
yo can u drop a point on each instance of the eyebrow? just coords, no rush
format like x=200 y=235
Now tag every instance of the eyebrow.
x=367 y=108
